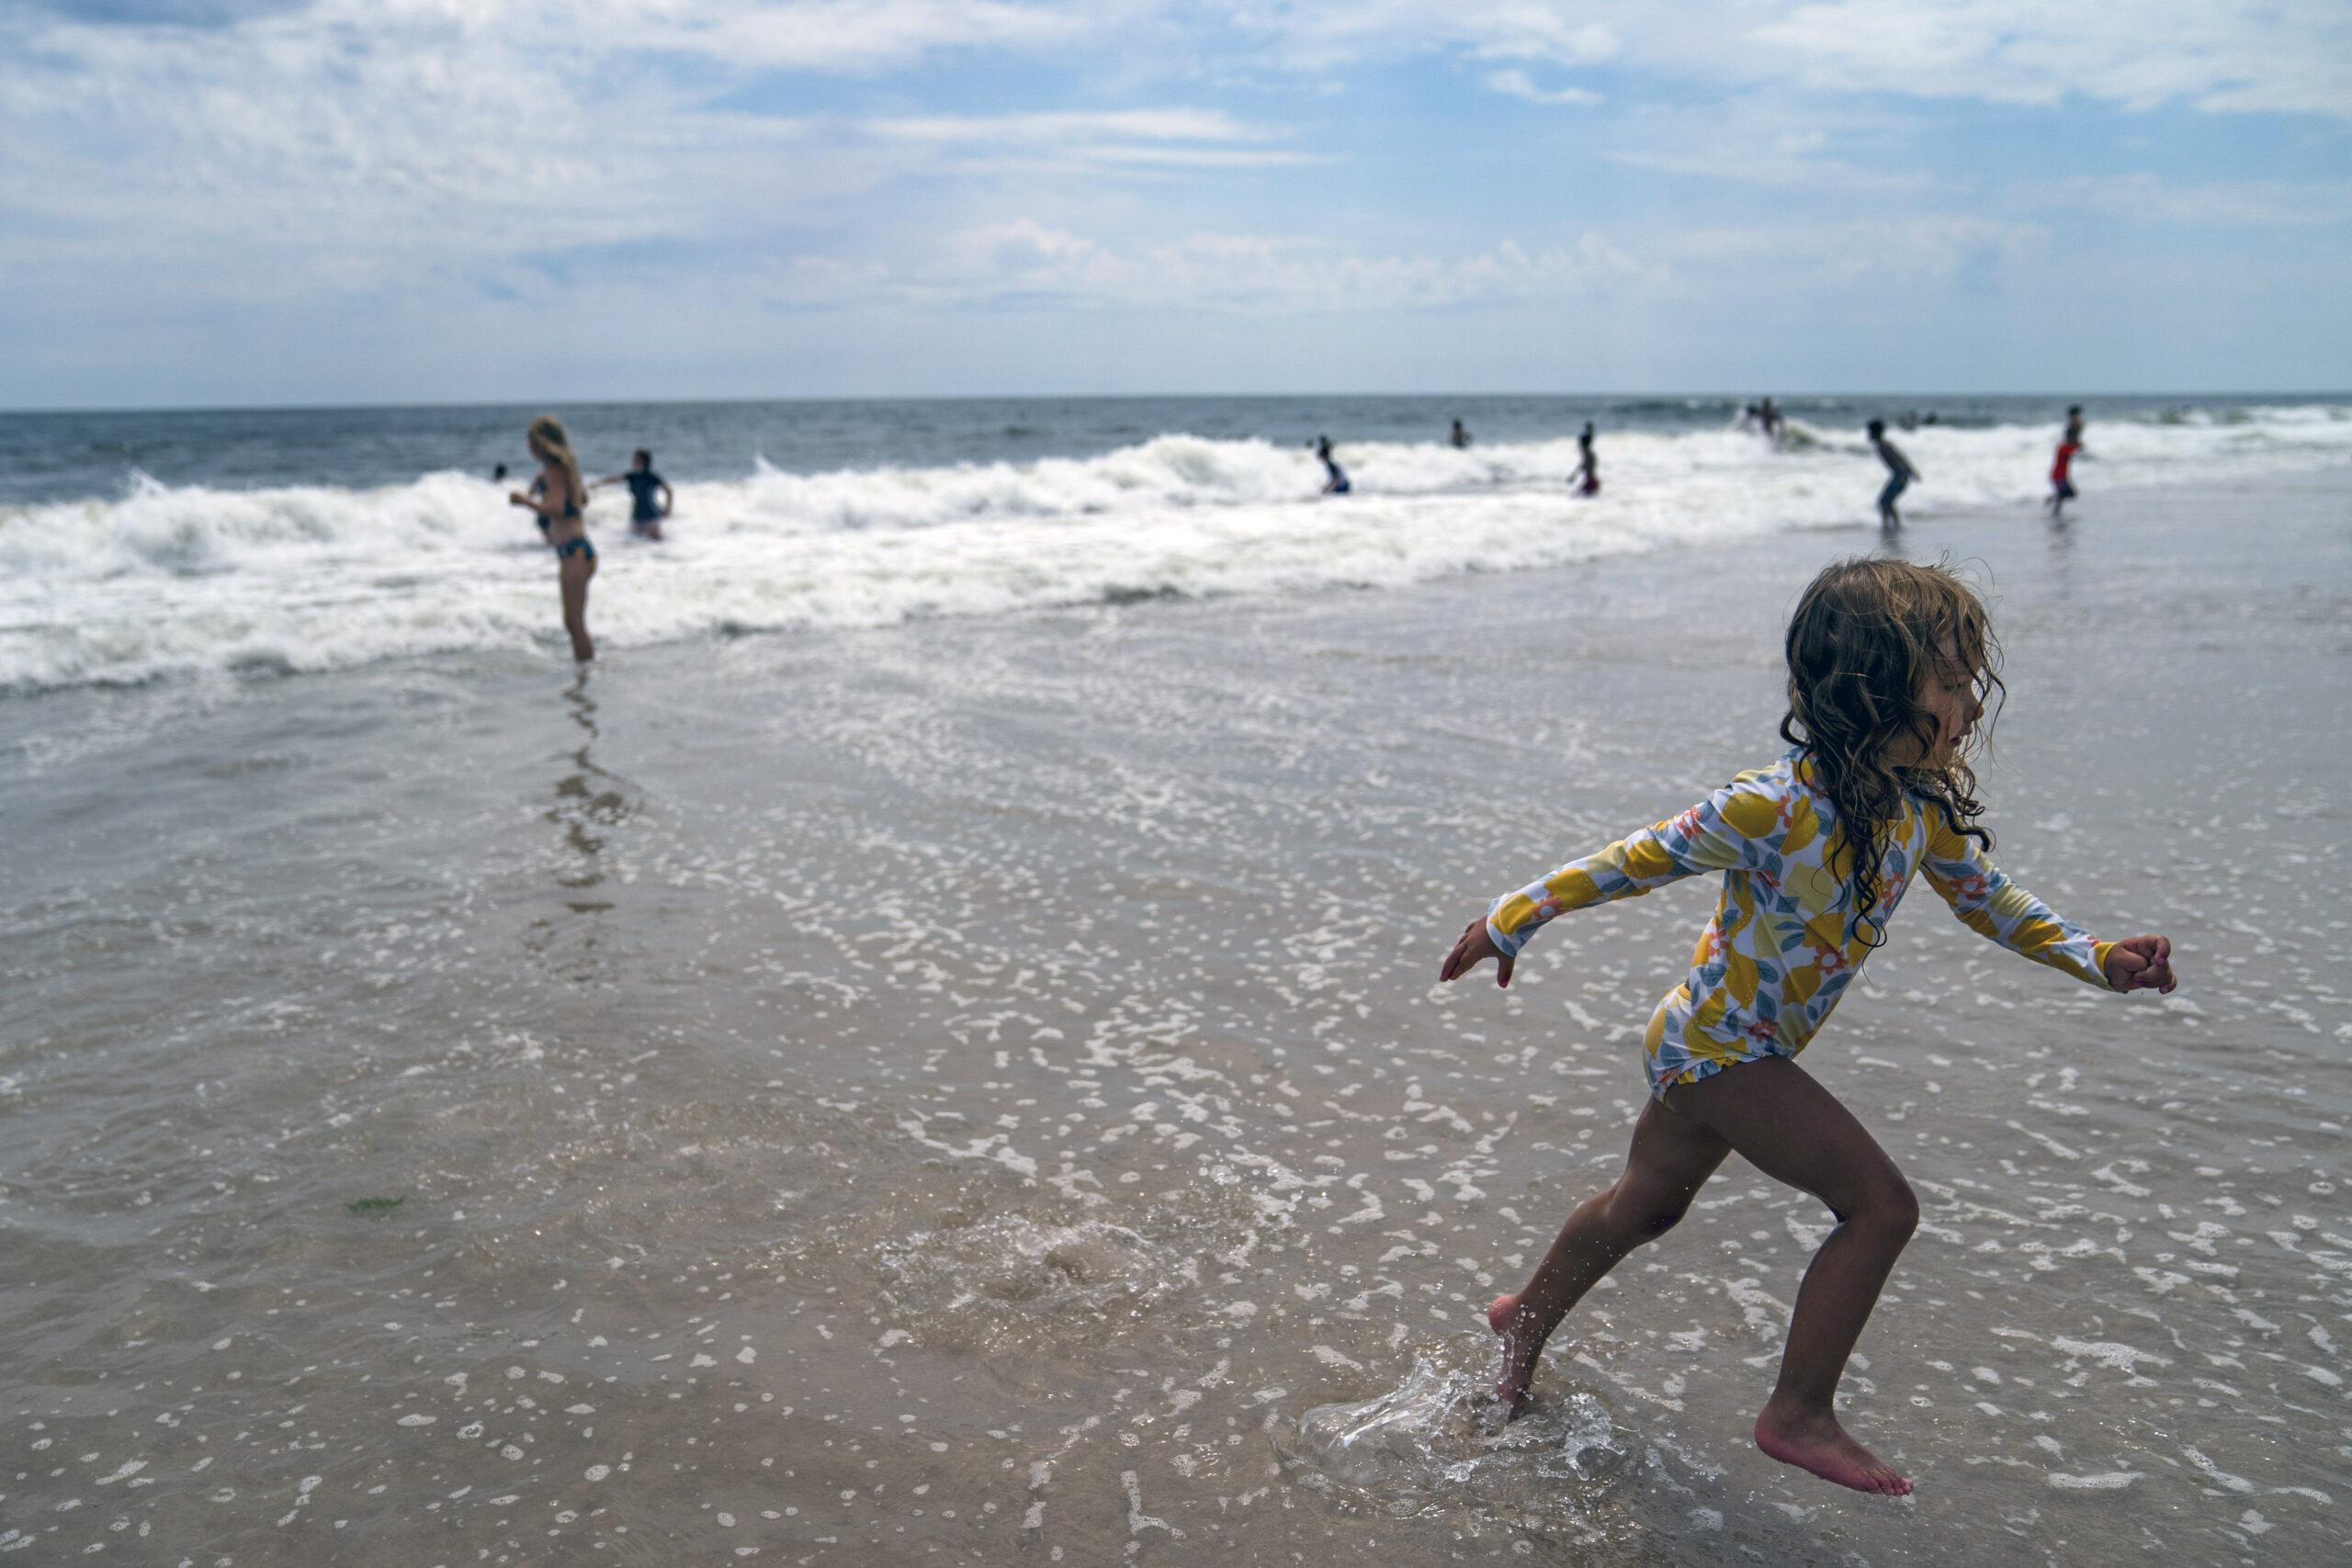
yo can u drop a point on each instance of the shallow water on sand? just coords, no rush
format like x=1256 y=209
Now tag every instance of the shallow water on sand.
x=974 y=1091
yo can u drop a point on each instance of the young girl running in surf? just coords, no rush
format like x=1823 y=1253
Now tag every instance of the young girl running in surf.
x=1889 y=663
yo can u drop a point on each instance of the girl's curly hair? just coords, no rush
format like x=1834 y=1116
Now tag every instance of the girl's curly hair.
x=1867 y=637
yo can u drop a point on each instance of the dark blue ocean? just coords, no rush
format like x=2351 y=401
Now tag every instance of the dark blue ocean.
x=71 y=456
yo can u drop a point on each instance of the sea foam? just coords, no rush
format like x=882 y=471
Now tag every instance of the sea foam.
x=163 y=580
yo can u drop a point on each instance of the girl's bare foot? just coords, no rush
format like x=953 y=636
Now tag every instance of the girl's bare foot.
x=1520 y=1349
x=1814 y=1440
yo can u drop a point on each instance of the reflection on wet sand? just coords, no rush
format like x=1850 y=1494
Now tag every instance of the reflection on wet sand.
x=588 y=800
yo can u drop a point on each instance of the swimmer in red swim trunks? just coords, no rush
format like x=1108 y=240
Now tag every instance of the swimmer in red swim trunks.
x=2062 y=488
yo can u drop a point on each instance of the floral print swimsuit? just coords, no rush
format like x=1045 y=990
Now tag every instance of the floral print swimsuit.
x=1781 y=947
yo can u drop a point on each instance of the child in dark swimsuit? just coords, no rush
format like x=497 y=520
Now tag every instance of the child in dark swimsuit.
x=644 y=516
x=1899 y=475
x=556 y=499
x=1587 y=478
x=1335 y=477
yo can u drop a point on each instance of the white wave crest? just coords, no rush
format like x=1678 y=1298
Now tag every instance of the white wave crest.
x=167 y=581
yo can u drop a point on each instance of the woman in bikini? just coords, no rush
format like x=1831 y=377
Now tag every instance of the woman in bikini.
x=557 y=501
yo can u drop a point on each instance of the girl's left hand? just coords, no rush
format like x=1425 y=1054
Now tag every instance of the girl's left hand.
x=2141 y=964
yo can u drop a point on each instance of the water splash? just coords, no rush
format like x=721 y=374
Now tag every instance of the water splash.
x=1439 y=1442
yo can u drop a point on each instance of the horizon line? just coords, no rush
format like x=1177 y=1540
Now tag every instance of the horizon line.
x=403 y=406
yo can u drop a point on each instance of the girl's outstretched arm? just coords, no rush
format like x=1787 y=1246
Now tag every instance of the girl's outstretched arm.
x=1742 y=824
x=1989 y=904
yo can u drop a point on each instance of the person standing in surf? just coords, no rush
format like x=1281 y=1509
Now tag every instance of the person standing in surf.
x=1461 y=436
x=557 y=499
x=2062 y=483
x=1889 y=666
x=1335 y=477
x=645 y=517
x=2062 y=467
x=1899 y=475
x=1586 y=481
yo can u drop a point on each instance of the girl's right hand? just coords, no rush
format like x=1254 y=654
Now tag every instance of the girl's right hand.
x=1475 y=948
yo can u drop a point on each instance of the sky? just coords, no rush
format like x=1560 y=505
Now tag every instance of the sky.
x=217 y=202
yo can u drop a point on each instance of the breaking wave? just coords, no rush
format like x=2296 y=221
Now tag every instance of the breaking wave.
x=162 y=581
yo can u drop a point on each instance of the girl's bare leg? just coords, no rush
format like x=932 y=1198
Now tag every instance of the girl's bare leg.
x=1795 y=1131
x=572 y=576
x=1671 y=1159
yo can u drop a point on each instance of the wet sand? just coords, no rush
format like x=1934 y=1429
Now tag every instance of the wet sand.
x=972 y=1090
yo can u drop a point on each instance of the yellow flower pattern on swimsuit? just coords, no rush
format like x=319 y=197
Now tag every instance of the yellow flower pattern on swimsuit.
x=1783 y=946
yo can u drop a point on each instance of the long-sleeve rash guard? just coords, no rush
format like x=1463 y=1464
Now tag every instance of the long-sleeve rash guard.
x=1783 y=944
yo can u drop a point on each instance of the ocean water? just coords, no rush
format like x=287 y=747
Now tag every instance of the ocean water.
x=134 y=547
x=965 y=1084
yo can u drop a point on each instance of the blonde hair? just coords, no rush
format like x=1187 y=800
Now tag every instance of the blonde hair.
x=1865 y=639
x=547 y=439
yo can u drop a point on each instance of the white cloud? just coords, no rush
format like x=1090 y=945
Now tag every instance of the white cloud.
x=1754 y=164
x=1150 y=125
x=837 y=36
x=513 y=159
x=2218 y=55
x=2256 y=55
x=352 y=139
x=1317 y=33
x=2145 y=198
x=1910 y=252
x=392 y=128
x=1164 y=137
x=1515 y=81
x=1762 y=140
x=1025 y=260
x=824 y=35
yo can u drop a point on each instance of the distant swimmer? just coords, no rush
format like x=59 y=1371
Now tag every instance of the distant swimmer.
x=1587 y=478
x=1335 y=479
x=1460 y=437
x=2062 y=483
x=1770 y=417
x=1900 y=475
x=556 y=499
x=2075 y=423
x=644 y=516
x=498 y=475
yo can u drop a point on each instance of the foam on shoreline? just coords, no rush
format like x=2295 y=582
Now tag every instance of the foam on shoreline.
x=163 y=580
